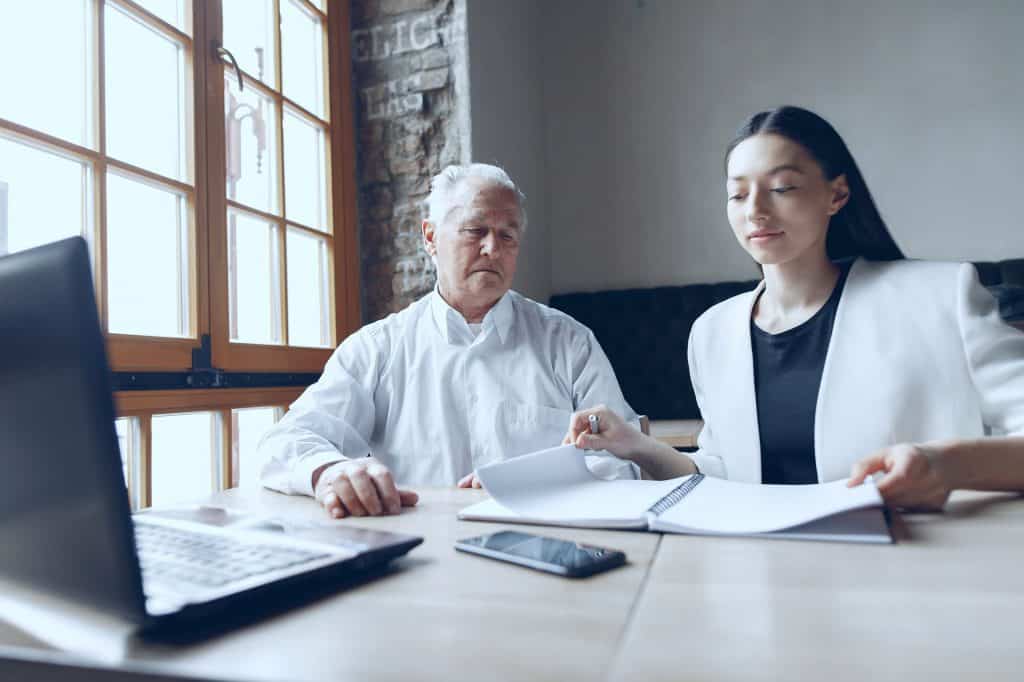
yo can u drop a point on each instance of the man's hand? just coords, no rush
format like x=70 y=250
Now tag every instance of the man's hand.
x=614 y=434
x=470 y=481
x=914 y=476
x=360 y=487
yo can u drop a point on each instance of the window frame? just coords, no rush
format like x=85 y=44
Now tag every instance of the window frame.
x=343 y=263
x=144 y=405
x=131 y=352
x=205 y=194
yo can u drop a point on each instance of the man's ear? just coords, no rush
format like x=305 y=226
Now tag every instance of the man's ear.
x=840 y=194
x=429 y=235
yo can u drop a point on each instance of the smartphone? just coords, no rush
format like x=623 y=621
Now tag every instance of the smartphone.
x=562 y=557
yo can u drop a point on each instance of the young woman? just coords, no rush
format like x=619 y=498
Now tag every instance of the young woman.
x=846 y=359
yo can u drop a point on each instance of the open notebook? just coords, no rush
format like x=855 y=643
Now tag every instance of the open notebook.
x=553 y=487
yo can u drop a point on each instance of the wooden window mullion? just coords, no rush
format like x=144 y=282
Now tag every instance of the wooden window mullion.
x=319 y=234
x=99 y=168
x=234 y=455
x=221 y=449
x=340 y=167
x=153 y=21
x=145 y=460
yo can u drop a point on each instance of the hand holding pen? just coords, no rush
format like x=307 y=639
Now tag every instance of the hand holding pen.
x=599 y=428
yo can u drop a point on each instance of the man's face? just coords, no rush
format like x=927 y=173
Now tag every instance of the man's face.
x=476 y=246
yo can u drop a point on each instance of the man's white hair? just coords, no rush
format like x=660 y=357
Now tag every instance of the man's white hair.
x=444 y=185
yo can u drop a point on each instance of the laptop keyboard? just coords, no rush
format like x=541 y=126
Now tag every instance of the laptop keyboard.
x=175 y=556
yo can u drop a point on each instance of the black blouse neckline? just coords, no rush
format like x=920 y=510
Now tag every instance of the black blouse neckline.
x=803 y=327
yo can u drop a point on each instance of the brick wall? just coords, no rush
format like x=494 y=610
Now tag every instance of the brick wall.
x=412 y=120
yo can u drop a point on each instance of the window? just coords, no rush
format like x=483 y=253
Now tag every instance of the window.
x=98 y=140
x=215 y=189
x=283 y=233
x=179 y=446
x=247 y=426
x=223 y=211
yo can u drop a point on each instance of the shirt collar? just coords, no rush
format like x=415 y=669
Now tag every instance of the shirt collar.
x=453 y=325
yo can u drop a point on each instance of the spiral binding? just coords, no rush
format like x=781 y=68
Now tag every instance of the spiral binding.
x=678 y=493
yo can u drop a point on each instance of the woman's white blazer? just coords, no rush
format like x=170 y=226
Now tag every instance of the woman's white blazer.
x=918 y=353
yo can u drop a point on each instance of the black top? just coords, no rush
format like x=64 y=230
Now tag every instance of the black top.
x=787 y=375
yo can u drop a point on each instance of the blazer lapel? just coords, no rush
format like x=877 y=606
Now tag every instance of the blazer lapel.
x=743 y=451
x=843 y=411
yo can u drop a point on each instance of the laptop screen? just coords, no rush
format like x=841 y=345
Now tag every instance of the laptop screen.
x=65 y=522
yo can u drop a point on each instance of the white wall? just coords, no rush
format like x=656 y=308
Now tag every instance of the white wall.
x=507 y=126
x=641 y=97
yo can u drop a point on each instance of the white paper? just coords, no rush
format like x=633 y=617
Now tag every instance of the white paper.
x=492 y=510
x=719 y=506
x=859 y=525
x=555 y=484
x=555 y=487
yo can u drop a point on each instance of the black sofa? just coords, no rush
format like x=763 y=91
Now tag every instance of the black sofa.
x=644 y=331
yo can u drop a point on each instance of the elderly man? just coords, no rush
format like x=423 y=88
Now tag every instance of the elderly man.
x=470 y=374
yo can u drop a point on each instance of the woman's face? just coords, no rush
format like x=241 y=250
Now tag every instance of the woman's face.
x=779 y=200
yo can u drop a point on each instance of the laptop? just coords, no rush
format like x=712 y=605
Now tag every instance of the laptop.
x=66 y=525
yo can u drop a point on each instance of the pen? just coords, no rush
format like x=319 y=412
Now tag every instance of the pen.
x=593 y=419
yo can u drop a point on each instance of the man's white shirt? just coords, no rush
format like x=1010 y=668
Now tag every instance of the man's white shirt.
x=434 y=400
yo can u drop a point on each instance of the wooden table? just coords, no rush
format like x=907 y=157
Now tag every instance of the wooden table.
x=679 y=433
x=943 y=604
x=441 y=615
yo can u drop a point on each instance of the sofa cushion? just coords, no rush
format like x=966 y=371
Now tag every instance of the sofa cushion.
x=1005 y=279
x=644 y=333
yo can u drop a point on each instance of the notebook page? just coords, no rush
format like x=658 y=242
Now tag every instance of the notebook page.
x=555 y=485
x=860 y=525
x=720 y=506
x=491 y=510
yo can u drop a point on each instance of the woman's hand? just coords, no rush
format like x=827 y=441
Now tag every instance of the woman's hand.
x=614 y=434
x=655 y=459
x=914 y=476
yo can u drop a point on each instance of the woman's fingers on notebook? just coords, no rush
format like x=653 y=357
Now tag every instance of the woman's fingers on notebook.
x=408 y=498
x=903 y=473
x=898 y=465
x=912 y=478
x=865 y=467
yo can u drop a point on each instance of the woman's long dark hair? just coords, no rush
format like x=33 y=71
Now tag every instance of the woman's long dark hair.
x=857 y=229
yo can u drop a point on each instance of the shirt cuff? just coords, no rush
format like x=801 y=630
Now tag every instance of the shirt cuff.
x=708 y=464
x=302 y=475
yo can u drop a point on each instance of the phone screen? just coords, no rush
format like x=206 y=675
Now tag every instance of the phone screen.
x=550 y=554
